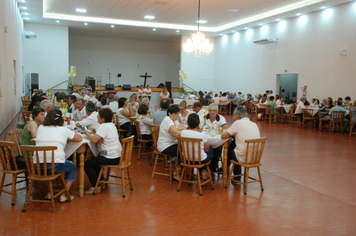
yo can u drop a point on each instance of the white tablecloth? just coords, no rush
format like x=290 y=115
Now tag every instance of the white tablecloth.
x=73 y=146
x=190 y=102
x=215 y=141
x=286 y=108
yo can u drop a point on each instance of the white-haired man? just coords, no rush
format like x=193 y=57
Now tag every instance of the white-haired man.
x=114 y=105
x=80 y=112
x=146 y=101
x=46 y=105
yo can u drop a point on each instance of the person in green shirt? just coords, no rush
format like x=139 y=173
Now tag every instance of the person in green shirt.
x=273 y=105
x=30 y=130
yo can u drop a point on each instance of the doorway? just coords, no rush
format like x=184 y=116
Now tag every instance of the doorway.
x=288 y=83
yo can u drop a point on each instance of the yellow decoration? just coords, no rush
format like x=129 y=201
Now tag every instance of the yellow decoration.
x=182 y=76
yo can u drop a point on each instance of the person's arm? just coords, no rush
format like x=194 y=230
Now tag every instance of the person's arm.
x=77 y=138
x=174 y=131
x=206 y=147
x=226 y=135
x=32 y=127
x=94 y=138
x=151 y=114
x=131 y=110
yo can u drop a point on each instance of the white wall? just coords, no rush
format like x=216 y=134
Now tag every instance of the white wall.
x=10 y=49
x=47 y=54
x=130 y=58
x=311 y=49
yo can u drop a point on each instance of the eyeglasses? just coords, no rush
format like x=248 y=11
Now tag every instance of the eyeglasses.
x=213 y=110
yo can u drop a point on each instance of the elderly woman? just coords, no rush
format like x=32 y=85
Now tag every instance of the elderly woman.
x=133 y=102
x=91 y=121
x=123 y=114
x=213 y=119
x=183 y=113
x=53 y=133
x=300 y=107
x=109 y=148
x=145 y=121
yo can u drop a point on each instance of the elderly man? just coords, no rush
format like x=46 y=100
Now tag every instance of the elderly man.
x=91 y=122
x=72 y=100
x=300 y=107
x=46 y=105
x=241 y=129
x=235 y=102
x=80 y=112
x=339 y=107
x=292 y=101
x=198 y=109
x=146 y=101
x=162 y=113
x=114 y=105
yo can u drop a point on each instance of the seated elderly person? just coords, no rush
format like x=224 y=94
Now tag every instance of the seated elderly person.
x=79 y=113
x=241 y=129
x=114 y=105
x=145 y=120
x=162 y=113
x=46 y=105
x=300 y=107
x=91 y=121
x=213 y=119
x=146 y=101
x=71 y=106
x=197 y=108
x=339 y=107
x=292 y=101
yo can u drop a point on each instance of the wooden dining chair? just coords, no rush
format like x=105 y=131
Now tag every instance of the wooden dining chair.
x=253 y=111
x=191 y=160
x=15 y=137
x=36 y=174
x=160 y=156
x=26 y=116
x=223 y=108
x=325 y=121
x=201 y=100
x=119 y=130
x=141 y=142
x=9 y=167
x=269 y=115
x=294 y=119
x=125 y=163
x=254 y=151
x=286 y=116
x=337 y=119
x=308 y=119
x=352 y=125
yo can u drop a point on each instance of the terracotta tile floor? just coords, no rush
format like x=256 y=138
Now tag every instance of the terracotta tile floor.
x=309 y=178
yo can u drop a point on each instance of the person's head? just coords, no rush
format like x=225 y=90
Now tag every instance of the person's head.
x=34 y=99
x=141 y=86
x=239 y=93
x=165 y=103
x=271 y=98
x=313 y=100
x=197 y=107
x=294 y=99
x=133 y=97
x=86 y=84
x=277 y=97
x=148 y=86
x=270 y=92
x=283 y=90
x=325 y=101
x=339 y=102
x=105 y=116
x=316 y=101
x=116 y=97
x=173 y=112
x=303 y=99
x=182 y=106
x=330 y=100
x=216 y=95
x=145 y=100
x=46 y=105
x=122 y=102
x=60 y=96
x=104 y=101
x=213 y=111
x=38 y=114
x=53 y=118
x=193 y=121
x=142 y=109
x=347 y=100
x=80 y=104
x=111 y=97
x=90 y=108
x=72 y=99
x=239 y=113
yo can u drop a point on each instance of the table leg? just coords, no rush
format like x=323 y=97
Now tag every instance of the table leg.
x=81 y=170
x=225 y=167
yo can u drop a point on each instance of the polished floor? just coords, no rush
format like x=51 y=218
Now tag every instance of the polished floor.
x=309 y=179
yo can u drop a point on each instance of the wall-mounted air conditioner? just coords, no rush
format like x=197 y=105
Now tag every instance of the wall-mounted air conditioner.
x=266 y=40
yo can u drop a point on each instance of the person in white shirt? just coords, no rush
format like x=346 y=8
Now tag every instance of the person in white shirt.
x=86 y=96
x=169 y=130
x=217 y=121
x=163 y=94
x=197 y=108
x=123 y=114
x=109 y=148
x=104 y=101
x=46 y=105
x=91 y=122
x=183 y=113
x=145 y=122
x=141 y=91
x=53 y=133
x=216 y=99
x=146 y=101
x=148 y=91
x=80 y=112
x=114 y=105
x=241 y=129
x=133 y=101
x=72 y=100
x=300 y=106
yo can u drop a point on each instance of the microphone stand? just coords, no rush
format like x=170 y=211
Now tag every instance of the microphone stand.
x=109 y=75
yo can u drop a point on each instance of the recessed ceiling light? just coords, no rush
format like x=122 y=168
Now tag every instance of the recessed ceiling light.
x=81 y=10
x=245 y=28
x=177 y=31
x=323 y=7
x=278 y=20
x=149 y=17
x=57 y=21
x=23 y=8
x=154 y=29
x=232 y=31
x=25 y=13
x=85 y=23
x=298 y=14
x=202 y=21
x=221 y=34
x=112 y=26
x=232 y=10
x=22 y=1
x=260 y=24
x=26 y=18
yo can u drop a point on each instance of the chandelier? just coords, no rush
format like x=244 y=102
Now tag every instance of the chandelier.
x=198 y=44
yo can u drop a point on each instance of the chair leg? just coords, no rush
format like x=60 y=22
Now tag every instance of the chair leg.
x=199 y=183
x=98 y=180
x=170 y=167
x=154 y=166
x=123 y=182
x=139 y=151
x=2 y=182
x=259 y=175
x=209 y=173
x=129 y=177
x=52 y=198
x=27 y=196
x=181 y=178
x=26 y=179
x=13 y=192
x=351 y=128
x=67 y=191
x=246 y=179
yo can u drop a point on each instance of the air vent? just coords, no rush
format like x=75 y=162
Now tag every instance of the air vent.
x=266 y=41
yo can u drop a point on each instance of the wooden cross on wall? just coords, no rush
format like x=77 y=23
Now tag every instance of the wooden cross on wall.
x=145 y=76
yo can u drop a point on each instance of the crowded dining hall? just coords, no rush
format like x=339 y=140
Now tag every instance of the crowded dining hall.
x=156 y=116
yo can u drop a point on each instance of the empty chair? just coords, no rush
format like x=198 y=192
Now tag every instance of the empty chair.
x=223 y=107
x=323 y=122
x=140 y=140
x=308 y=119
x=14 y=137
x=26 y=116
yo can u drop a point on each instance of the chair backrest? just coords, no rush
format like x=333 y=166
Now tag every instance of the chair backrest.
x=307 y=113
x=155 y=133
x=350 y=117
x=7 y=156
x=254 y=150
x=138 y=130
x=31 y=153
x=211 y=101
x=319 y=114
x=14 y=137
x=190 y=150
x=291 y=111
x=26 y=115
x=126 y=151
x=132 y=120
x=268 y=109
x=338 y=116
x=223 y=103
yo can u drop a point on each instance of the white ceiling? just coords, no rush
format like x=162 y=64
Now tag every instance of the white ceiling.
x=172 y=14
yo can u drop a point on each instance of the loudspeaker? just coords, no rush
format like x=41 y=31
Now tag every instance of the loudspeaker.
x=118 y=75
x=109 y=86
x=169 y=87
x=91 y=83
x=161 y=85
x=126 y=87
